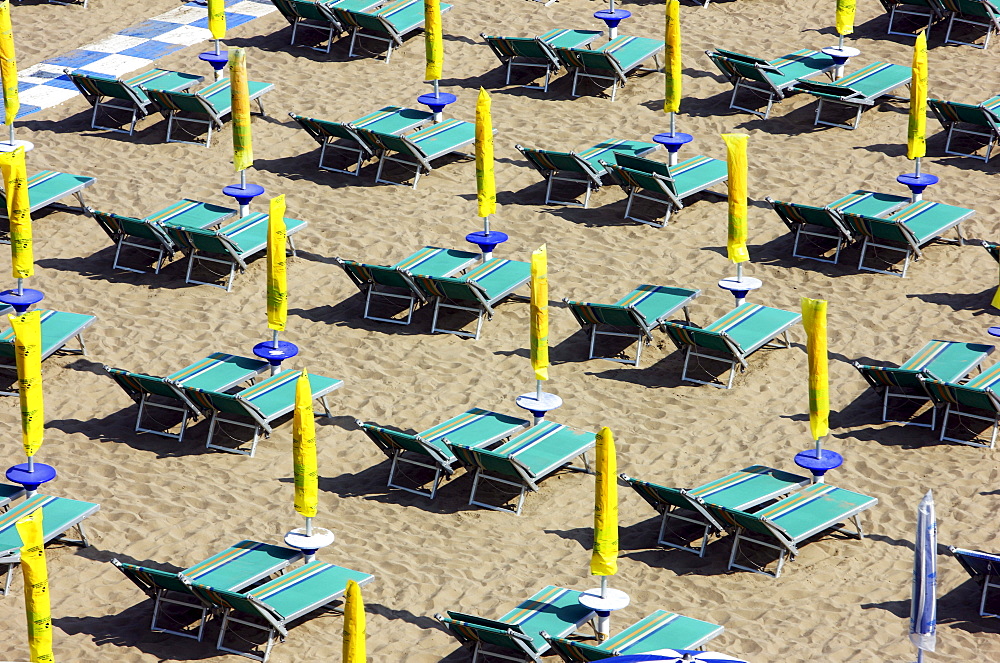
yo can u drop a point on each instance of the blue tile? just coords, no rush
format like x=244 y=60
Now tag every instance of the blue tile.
x=63 y=82
x=151 y=50
x=27 y=109
x=149 y=29
x=232 y=20
x=76 y=59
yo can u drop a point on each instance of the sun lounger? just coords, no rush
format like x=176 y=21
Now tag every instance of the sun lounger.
x=859 y=90
x=389 y=24
x=978 y=393
x=660 y=630
x=59 y=515
x=982 y=120
x=523 y=461
x=262 y=403
x=148 y=235
x=478 y=291
x=744 y=490
x=772 y=79
x=929 y=10
x=909 y=229
x=612 y=62
x=783 y=526
x=635 y=315
x=582 y=167
x=978 y=13
x=674 y=183
x=393 y=120
x=317 y=15
x=385 y=281
x=214 y=102
x=538 y=52
x=58 y=328
x=828 y=222
x=233 y=569
x=217 y=372
x=95 y=88
x=419 y=149
x=555 y=610
x=48 y=186
x=474 y=428
x=732 y=338
x=275 y=604
x=984 y=569
x=8 y=494
x=945 y=361
x=231 y=245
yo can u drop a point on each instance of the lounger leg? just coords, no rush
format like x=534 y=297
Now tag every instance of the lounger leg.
x=354 y=35
x=326 y=407
x=732 y=375
x=614 y=89
x=687 y=358
x=135 y=118
x=885 y=405
x=548 y=74
x=93 y=116
x=208 y=138
x=864 y=247
x=260 y=105
x=170 y=125
x=735 y=549
x=509 y=63
x=479 y=325
x=548 y=188
x=576 y=74
x=638 y=352
x=434 y=320
x=520 y=502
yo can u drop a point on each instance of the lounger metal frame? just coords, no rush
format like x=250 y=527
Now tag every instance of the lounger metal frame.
x=912 y=248
x=485 y=307
x=551 y=65
x=13 y=557
x=932 y=14
x=188 y=409
x=82 y=350
x=739 y=358
x=236 y=260
x=214 y=119
x=618 y=79
x=992 y=23
x=260 y=425
x=993 y=570
x=528 y=480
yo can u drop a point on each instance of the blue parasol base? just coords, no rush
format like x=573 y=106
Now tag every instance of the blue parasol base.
x=819 y=464
x=41 y=473
x=993 y=331
x=612 y=18
x=538 y=407
x=437 y=102
x=21 y=302
x=275 y=355
x=917 y=183
x=217 y=60
x=487 y=241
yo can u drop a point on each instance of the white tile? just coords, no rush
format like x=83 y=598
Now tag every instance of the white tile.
x=185 y=35
x=29 y=75
x=252 y=8
x=114 y=44
x=46 y=95
x=183 y=15
x=116 y=65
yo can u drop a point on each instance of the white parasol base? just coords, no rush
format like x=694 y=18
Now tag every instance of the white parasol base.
x=320 y=538
x=8 y=146
x=613 y=599
x=840 y=55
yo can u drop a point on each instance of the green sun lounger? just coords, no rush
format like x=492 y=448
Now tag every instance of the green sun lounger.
x=276 y=603
x=59 y=515
x=859 y=90
x=427 y=449
x=393 y=120
x=233 y=569
x=982 y=120
x=909 y=229
x=318 y=15
x=218 y=372
x=419 y=149
x=828 y=222
x=583 y=167
x=523 y=461
x=977 y=13
x=635 y=315
x=127 y=94
x=660 y=630
x=784 y=525
x=984 y=568
x=232 y=245
x=213 y=102
x=389 y=24
x=8 y=494
x=478 y=291
x=612 y=62
x=674 y=183
x=945 y=361
x=745 y=489
x=46 y=187
x=926 y=12
x=770 y=79
x=732 y=338
x=58 y=328
x=262 y=403
x=148 y=235
x=389 y=282
x=555 y=610
x=538 y=52
x=979 y=393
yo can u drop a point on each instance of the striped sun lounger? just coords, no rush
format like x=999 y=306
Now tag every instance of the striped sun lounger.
x=859 y=90
x=233 y=569
x=979 y=393
x=553 y=610
x=945 y=361
x=428 y=449
x=419 y=149
x=277 y=603
x=46 y=187
x=612 y=62
x=660 y=630
x=977 y=13
x=981 y=120
x=213 y=102
x=59 y=515
x=538 y=52
x=984 y=568
x=635 y=315
x=58 y=328
x=732 y=338
x=389 y=24
x=523 y=461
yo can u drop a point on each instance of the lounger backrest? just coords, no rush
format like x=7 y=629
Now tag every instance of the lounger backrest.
x=688 y=335
x=227 y=403
x=208 y=241
x=117 y=226
x=885 y=376
x=953 y=111
x=742 y=57
x=993 y=249
x=628 y=178
x=308 y=9
x=377 y=21
x=956 y=394
x=150 y=580
x=876 y=228
x=980 y=565
x=547 y=161
x=181 y=101
x=363 y=274
x=735 y=69
x=510 y=47
x=472 y=629
x=656 y=495
x=390 y=441
x=982 y=8
x=828 y=90
x=220 y=598
x=94 y=87
x=576 y=651
x=286 y=10
x=642 y=164
x=320 y=130
x=490 y=461
x=747 y=521
x=135 y=384
x=604 y=314
x=585 y=58
x=450 y=288
x=795 y=215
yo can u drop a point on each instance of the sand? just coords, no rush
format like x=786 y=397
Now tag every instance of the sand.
x=169 y=505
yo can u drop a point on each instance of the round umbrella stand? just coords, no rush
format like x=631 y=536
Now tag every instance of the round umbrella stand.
x=309 y=543
x=679 y=656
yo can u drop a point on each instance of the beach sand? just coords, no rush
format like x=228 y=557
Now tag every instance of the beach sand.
x=169 y=505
